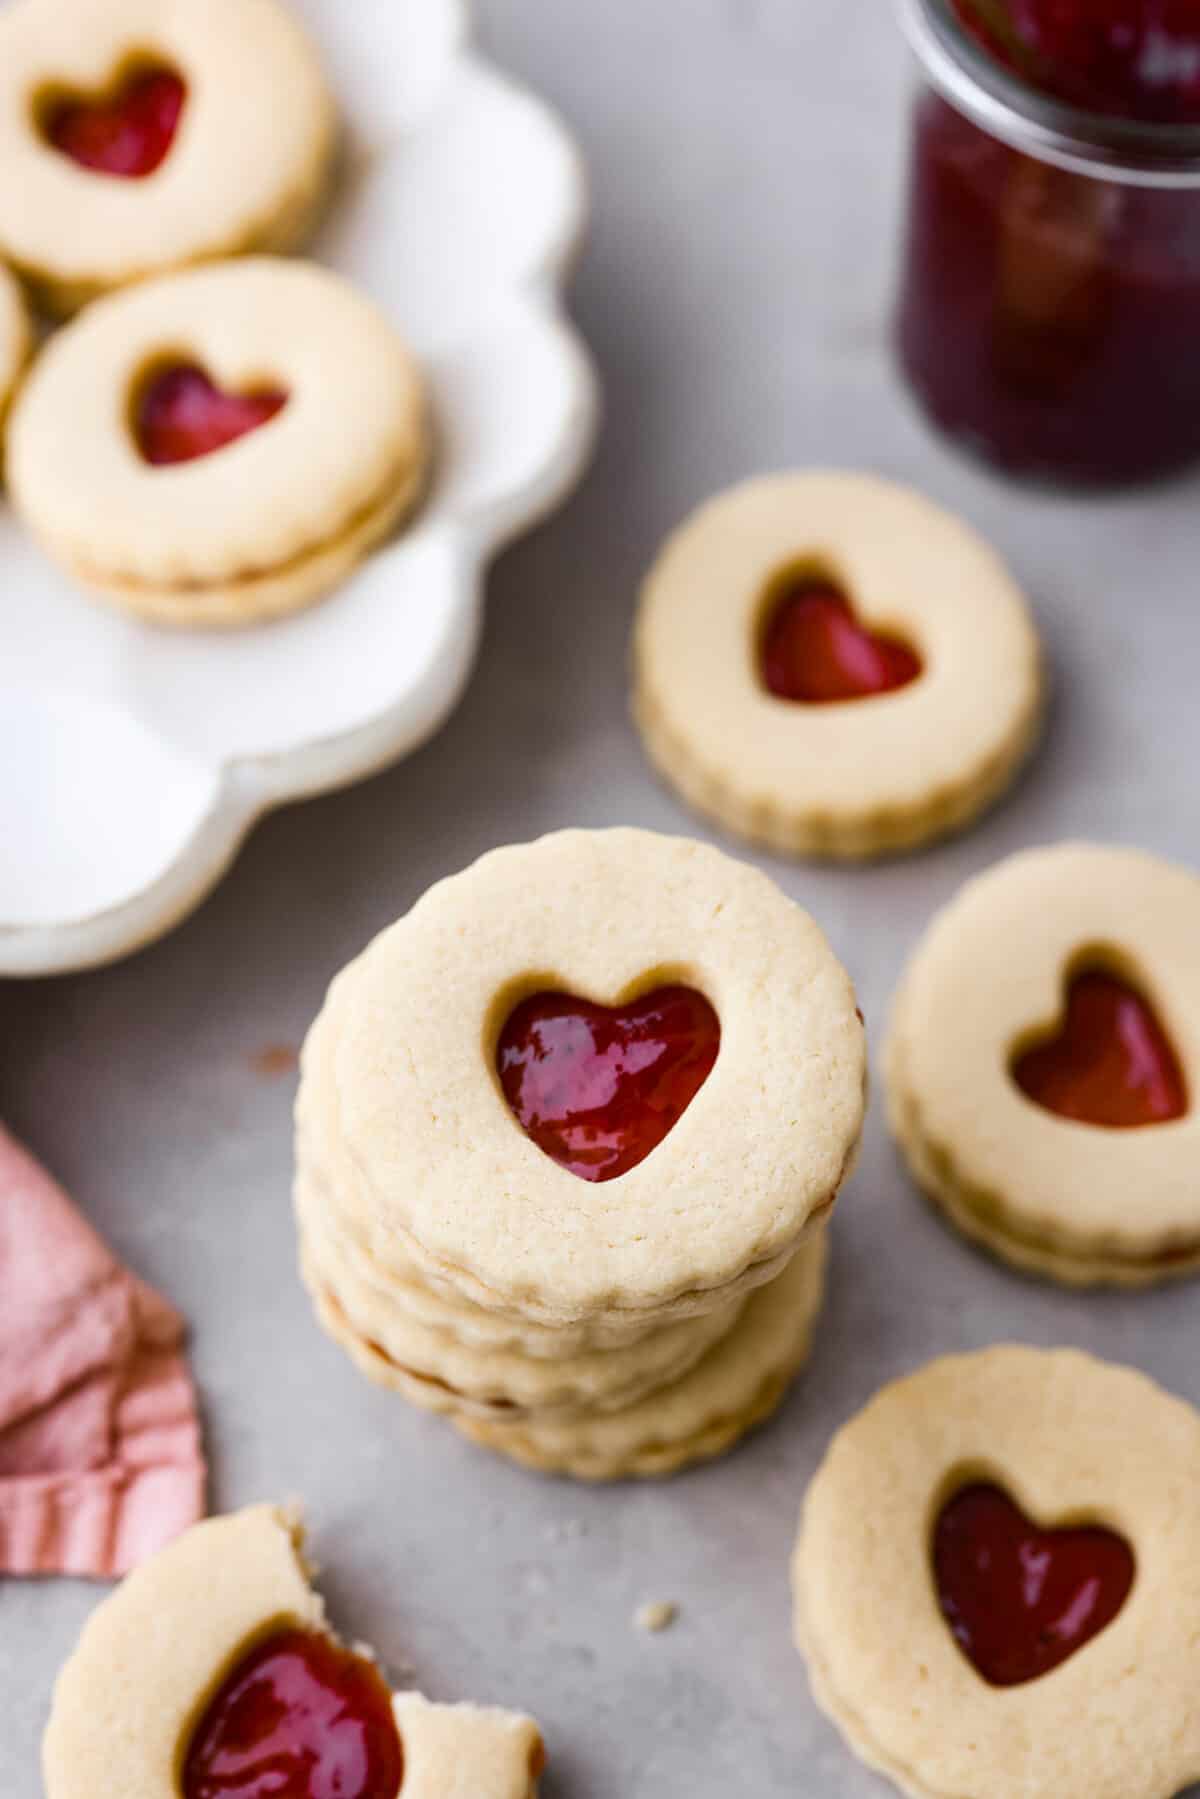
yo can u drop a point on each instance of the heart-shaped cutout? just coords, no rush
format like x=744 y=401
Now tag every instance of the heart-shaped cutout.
x=598 y=1087
x=126 y=132
x=298 y=1718
x=816 y=653
x=180 y=414
x=1020 y=1600
x=1110 y=1063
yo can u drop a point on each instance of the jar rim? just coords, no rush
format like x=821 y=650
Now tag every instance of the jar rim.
x=1051 y=130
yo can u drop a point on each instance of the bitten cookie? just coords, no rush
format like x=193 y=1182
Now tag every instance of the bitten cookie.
x=997 y=1581
x=16 y=338
x=832 y=666
x=256 y=1693
x=1043 y=1059
x=604 y=1072
x=222 y=446
x=140 y=135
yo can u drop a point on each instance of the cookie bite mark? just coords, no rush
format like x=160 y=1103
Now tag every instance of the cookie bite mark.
x=298 y=1716
x=1109 y=1062
x=1018 y=1599
x=597 y=1088
x=126 y=132
x=178 y=413
x=814 y=651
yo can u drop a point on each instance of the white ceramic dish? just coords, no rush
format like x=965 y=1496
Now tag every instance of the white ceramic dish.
x=135 y=761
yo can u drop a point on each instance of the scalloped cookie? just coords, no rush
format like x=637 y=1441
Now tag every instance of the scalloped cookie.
x=256 y=1689
x=222 y=446
x=142 y=135
x=1043 y=1062
x=997 y=1581
x=830 y=665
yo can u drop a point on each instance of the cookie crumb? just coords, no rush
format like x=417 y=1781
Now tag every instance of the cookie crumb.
x=656 y=1615
x=274 y=1060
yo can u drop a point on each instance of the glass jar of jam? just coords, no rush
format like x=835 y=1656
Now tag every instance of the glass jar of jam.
x=1049 y=313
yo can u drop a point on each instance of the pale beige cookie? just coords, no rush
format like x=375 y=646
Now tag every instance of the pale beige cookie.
x=1072 y=1441
x=738 y=1385
x=156 y=1651
x=1082 y=1202
x=856 y=777
x=265 y=524
x=467 y=1751
x=16 y=337
x=424 y=1152
x=442 y=1374
x=246 y=169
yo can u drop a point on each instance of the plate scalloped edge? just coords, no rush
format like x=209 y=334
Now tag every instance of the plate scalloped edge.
x=465 y=527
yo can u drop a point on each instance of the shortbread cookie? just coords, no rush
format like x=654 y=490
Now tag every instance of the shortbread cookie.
x=220 y=446
x=16 y=339
x=997 y=1581
x=183 y=1664
x=442 y=1374
x=655 y=1012
x=832 y=666
x=141 y=135
x=1043 y=1059
x=738 y=1385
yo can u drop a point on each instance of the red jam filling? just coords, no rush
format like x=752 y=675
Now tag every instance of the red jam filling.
x=1136 y=59
x=1111 y=1062
x=180 y=414
x=815 y=651
x=299 y=1718
x=1019 y=1600
x=126 y=134
x=599 y=1087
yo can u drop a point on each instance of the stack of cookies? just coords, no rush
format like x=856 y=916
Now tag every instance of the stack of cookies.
x=568 y=1136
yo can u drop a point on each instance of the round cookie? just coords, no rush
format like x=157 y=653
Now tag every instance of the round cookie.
x=329 y=450
x=139 y=1692
x=913 y=650
x=16 y=338
x=240 y=162
x=400 y=1083
x=442 y=1374
x=897 y=1625
x=1073 y=965
x=737 y=1386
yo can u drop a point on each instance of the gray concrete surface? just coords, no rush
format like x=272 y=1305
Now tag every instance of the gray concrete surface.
x=747 y=160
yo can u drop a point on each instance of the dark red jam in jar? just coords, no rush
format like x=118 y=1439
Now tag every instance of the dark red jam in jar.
x=1052 y=272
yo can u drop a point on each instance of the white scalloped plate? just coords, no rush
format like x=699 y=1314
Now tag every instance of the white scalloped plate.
x=137 y=760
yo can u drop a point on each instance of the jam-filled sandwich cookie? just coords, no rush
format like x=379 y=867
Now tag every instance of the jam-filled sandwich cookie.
x=16 y=338
x=1043 y=1062
x=997 y=1581
x=140 y=135
x=211 y=1673
x=221 y=446
x=555 y=1130
x=830 y=665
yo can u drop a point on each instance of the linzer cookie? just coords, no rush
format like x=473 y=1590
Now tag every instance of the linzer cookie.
x=222 y=446
x=141 y=135
x=997 y=1581
x=561 y=1134
x=831 y=665
x=1043 y=1059
x=212 y=1671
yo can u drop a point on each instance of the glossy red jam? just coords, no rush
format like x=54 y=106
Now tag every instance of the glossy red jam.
x=299 y=1718
x=179 y=414
x=599 y=1087
x=1020 y=1600
x=128 y=133
x=1046 y=317
x=815 y=651
x=1111 y=1062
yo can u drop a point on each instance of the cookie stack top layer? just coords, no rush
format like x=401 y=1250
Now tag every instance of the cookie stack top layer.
x=402 y=1112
